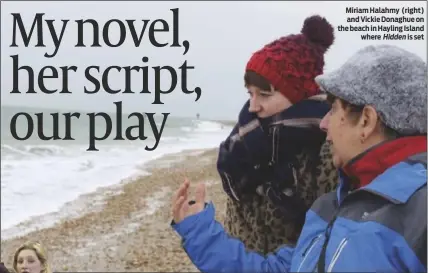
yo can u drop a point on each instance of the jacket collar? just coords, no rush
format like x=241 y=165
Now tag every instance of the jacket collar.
x=384 y=169
x=306 y=113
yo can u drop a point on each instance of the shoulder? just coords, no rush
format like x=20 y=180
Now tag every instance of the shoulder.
x=325 y=206
x=3 y=268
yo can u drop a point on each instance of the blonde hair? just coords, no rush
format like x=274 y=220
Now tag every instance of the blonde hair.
x=40 y=252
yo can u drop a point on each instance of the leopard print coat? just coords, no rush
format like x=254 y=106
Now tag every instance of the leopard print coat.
x=260 y=226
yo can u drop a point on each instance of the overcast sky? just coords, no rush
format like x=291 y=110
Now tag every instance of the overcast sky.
x=222 y=37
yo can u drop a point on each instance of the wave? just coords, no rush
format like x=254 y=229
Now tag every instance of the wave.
x=203 y=126
x=32 y=150
x=47 y=176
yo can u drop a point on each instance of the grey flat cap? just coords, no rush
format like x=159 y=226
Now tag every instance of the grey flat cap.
x=391 y=79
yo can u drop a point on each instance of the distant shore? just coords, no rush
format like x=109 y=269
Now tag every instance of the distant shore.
x=126 y=227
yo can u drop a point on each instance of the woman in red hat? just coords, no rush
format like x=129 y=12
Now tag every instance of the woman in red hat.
x=275 y=162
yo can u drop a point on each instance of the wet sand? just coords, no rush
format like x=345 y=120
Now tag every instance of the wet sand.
x=126 y=227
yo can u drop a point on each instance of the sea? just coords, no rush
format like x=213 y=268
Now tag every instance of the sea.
x=40 y=176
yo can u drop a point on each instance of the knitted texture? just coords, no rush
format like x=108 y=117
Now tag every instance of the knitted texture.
x=391 y=79
x=292 y=62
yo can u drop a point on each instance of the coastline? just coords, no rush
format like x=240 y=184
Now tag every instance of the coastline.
x=126 y=227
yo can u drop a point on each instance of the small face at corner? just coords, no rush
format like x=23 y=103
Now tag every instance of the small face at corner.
x=28 y=262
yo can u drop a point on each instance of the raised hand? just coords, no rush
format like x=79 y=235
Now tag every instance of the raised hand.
x=182 y=206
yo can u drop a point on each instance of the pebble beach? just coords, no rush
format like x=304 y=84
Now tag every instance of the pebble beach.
x=126 y=227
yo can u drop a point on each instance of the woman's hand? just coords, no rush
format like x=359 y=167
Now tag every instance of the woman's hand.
x=181 y=208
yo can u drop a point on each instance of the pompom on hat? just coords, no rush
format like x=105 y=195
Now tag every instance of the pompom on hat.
x=292 y=62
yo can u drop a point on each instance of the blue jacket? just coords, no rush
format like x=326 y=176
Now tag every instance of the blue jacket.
x=374 y=222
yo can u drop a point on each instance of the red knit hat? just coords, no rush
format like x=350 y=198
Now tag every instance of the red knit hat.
x=292 y=62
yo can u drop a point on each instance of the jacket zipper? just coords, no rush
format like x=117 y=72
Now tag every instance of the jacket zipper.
x=308 y=251
x=322 y=258
x=337 y=254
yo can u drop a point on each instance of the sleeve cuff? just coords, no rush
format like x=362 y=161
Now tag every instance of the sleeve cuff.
x=193 y=222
